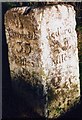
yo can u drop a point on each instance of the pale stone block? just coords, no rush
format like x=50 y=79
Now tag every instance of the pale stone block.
x=43 y=57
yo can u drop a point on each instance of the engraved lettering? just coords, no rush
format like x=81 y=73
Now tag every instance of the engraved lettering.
x=20 y=61
x=29 y=35
x=58 y=59
x=22 y=48
x=26 y=48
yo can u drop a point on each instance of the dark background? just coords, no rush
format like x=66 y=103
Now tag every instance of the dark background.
x=12 y=105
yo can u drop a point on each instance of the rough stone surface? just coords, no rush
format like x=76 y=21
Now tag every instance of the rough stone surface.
x=43 y=57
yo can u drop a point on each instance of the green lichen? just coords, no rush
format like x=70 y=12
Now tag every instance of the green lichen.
x=58 y=109
x=51 y=95
x=41 y=72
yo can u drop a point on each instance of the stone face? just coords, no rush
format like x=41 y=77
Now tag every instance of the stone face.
x=43 y=57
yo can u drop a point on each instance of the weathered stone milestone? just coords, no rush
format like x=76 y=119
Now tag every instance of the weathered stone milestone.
x=43 y=57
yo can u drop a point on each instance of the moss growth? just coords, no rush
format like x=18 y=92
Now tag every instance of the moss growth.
x=42 y=73
x=50 y=95
x=58 y=109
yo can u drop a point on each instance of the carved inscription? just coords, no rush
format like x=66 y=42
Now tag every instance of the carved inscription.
x=23 y=48
x=31 y=35
x=20 y=60
x=58 y=59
